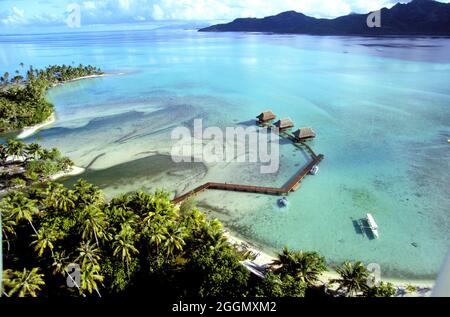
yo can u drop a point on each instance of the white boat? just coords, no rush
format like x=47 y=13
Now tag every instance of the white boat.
x=373 y=225
x=314 y=170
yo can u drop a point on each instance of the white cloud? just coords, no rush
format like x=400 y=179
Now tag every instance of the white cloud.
x=89 y=5
x=158 y=13
x=14 y=16
x=124 y=4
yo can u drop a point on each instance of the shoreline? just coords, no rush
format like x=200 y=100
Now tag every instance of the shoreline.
x=74 y=171
x=80 y=78
x=87 y=77
x=423 y=287
x=29 y=131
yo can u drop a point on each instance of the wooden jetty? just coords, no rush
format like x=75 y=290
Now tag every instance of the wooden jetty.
x=290 y=186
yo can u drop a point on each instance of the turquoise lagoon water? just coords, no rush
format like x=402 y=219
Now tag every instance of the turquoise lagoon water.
x=381 y=108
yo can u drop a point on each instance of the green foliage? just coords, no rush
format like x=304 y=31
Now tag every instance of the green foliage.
x=22 y=283
x=216 y=272
x=133 y=240
x=382 y=290
x=294 y=272
x=411 y=288
x=353 y=278
x=303 y=266
x=45 y=168
x=18 y=182
x=37 y=162
x=133 y=243
x=22 y=101
x=275 y=285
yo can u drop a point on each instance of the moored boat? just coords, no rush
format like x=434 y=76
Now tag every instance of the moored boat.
x=314 y=170
x=283 y=202
x=373 y=225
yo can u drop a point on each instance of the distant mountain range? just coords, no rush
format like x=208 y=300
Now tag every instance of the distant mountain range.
x=419 y=17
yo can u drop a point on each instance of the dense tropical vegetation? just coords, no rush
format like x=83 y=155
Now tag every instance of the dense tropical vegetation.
x=136 y=243
x=133 y=242
x=22 y=98
x=23 y=164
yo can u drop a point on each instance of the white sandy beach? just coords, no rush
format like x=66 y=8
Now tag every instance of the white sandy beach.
x=84 y=77
x=72 y=172
x=29 y=131
x=261 y=259
x=89 y=77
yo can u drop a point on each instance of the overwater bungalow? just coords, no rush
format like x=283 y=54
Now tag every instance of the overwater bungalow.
x=304 y=134
x=284 y=124
x=266 y=117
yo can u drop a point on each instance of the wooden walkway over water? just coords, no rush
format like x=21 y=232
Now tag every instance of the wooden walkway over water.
x=290 y=186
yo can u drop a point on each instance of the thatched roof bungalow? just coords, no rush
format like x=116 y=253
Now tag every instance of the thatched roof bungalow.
x=266 y=117
x=304 y=134
x=284 y=124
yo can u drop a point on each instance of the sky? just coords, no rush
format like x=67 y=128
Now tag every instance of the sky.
x=35 y=13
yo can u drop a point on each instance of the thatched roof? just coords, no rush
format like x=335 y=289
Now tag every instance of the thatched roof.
x=304 y=133
x=284 y=124
x=266 y=116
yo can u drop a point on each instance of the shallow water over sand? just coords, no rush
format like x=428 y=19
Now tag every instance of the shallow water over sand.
x=382 y=123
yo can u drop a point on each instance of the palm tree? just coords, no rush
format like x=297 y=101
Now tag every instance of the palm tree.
x=6 y=77
x=30 y=74
x=88 y=194
x=60 y=262
x=61 y=199
x=174 y=240
x=212 y=231
x=52 y=155
x=26 y=283
x=90 y=275
x=88 y=253
x=44 y=240
x=157 y=232
x=17 y=79
x=353 y=278
x=7 y=225
x=15 y=148
x=20 y=208
x=3 y=154
x=66 y=163
x=304 y=266
x=123 y=245
x=34 y=150
x=94 y=223
x=65 y=200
